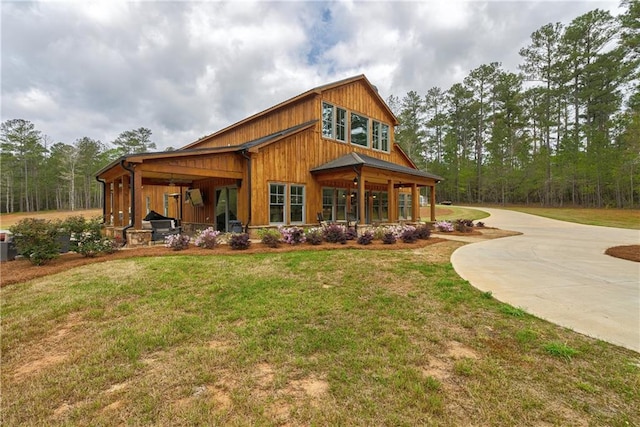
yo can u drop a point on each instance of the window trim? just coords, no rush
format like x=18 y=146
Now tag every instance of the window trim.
x=366 y=130
x=302 y=205
x=284 y=203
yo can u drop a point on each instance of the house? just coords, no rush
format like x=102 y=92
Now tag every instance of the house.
x=329 y=151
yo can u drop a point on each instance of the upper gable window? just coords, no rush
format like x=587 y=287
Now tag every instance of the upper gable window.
x=334 y=122
x=359 y=130
x=380 y=136
x=327 y=120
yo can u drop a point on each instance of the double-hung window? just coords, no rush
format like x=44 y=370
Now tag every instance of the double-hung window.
x=334 y=122
x=277 y=196
x=328 y=120
x=404 y=206
x=341 y=124
x=296 y=202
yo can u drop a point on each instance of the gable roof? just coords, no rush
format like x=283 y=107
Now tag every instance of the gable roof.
x=312 y=92
x=358 y=159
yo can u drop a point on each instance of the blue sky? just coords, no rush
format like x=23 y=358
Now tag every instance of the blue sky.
x=186 y=69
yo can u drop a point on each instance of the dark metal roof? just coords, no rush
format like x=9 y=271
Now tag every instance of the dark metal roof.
x=359 y=159
x=273 y=136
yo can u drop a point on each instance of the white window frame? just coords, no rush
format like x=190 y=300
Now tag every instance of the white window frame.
x=366 y=130
x=283 y=204
x=301 y=205
x=379 y=141
x=330 y=121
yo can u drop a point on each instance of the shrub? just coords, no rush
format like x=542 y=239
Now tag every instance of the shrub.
x=292 y=235
x=408 y=234
x=445 y=226
x=351 y=234
x=239 y=241
x=480 y=224
x=207 y=238
x=335 y=233
x=423 y=231
x=314 y=235
x=270 y=237
x=177 y=242
x=464 y=225
x=86 y=236
x=365 y=238
x=389 y=238
x=37 y=239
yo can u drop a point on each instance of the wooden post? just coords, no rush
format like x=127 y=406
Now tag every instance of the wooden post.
x=393 y=207
x=138 y=207
x=433 y=202
x=415 y=202
x=117 y=199
x=108 y=206
x=361 y=204
x=126 y=200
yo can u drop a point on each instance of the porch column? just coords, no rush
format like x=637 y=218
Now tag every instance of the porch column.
x=126 y=200
x=393 y=207
x=137 y=205
x=108 y=207
x=117 y=199
x=433 y=202
x=361 y=204
x=415 y=202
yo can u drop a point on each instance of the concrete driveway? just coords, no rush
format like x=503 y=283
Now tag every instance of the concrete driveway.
x=558 y=271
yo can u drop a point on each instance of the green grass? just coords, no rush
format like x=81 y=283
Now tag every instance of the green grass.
x=621 y=218
x=341 y=337
x=451 y=213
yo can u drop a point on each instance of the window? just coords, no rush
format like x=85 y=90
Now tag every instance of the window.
x=404 y=206
x=277 y=195
x=341 y=205
x=166 y=204
x=380 y=206
x=359 y=129
x=296 y=202
x=148 y=204
x=327 y=120
x=327 y=204
x=379 y=136
x=341 y=124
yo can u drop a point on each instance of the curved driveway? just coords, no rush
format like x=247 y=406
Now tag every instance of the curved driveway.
x=558 y=271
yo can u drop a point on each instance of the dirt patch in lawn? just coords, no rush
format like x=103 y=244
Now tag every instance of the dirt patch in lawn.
x=628 y=252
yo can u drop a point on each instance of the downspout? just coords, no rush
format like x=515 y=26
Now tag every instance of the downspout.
x=244 y=154
x=104 y=198
x=132 y=200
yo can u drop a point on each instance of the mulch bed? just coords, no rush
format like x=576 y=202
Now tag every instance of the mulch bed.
x=628 y=252
x=22 y=270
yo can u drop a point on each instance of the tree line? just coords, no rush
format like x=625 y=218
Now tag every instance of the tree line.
x=564 y=129
x=40 y=175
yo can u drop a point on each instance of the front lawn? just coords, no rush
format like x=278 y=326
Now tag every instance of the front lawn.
x=341 y=337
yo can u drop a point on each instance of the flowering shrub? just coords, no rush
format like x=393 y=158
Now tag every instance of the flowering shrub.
x=480 y=224
x=292 y=235
x=365 y=238
x=239 y=241
x=335 y=233
x=423 y=231
x=389 y=238
x=270 y=237
x=351 y=233
x=313 y=235
x=177 y=242
x=445 y=226
x=408 y=234
x=207 y=238
x=463 y=225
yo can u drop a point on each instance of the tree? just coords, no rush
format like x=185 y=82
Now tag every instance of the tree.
x=134 y=141
x=21 y=147
x=410 y=133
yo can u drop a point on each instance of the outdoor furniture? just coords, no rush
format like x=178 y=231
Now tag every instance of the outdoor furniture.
x=161 y=228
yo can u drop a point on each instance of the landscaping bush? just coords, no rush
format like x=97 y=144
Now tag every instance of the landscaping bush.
x=207 y=238
x=351 y=234
x=177 y=242
x=408 y=234
x=292 y=235
x=86 y=236
x=37 y=239
x=270 y=237
x=463 y=225
x=480 y=224
x=445 y=226
x=389 y=238
x=335 y=233
x=423 y=231
x=313 y=235
x=365 y=238
x=239 y=241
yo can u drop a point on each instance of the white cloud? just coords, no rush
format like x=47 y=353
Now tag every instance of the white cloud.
x=186 y=69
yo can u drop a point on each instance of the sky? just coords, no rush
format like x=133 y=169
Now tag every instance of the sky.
x=186 y=69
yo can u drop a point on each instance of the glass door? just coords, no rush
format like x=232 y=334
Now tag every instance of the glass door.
x=226 y=208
